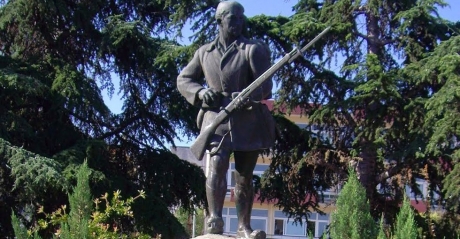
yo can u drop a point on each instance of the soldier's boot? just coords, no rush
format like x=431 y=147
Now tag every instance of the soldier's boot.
x=216 y=189
x=215 y=225
x=244 y=198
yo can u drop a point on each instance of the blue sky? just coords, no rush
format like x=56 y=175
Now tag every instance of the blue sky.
x=284 y=8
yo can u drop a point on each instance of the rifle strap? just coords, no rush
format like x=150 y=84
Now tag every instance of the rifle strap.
x=215 y=149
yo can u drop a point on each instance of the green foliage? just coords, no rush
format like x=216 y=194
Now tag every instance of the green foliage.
x=56 y=59
x=378 y=87
x=186 y=219
x=442 y=114
x=443 y=224
x=352 y=218
x=19 y=231
x=77 y=225
x=84 y=221
x=32 y=173
x=104 y=222
x=381 y=234
x=405 y=226
x=441 y=69
x=290 y=170
x=452 y=190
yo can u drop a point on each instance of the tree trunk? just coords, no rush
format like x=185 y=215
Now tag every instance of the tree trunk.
x=365 y=169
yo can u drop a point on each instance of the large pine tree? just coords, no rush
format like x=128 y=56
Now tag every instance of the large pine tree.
x=56 y=57
x=379 y=92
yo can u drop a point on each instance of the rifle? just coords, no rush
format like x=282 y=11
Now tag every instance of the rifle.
x=198 y=148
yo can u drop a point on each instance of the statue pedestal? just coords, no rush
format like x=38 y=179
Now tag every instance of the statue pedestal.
x=214 y=236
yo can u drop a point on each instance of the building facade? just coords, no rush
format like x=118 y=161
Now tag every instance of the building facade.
x=268 y=217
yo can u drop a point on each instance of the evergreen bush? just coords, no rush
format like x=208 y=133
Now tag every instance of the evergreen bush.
x=352 y=218
x=83 y=220
x=405 y=226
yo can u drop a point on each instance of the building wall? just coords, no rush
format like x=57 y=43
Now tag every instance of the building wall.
x=268 y=215
x=269 y=218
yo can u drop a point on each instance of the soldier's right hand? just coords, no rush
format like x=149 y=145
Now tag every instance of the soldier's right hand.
x=209 y=96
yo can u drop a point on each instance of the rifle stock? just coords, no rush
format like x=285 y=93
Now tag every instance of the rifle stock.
x=198 y=147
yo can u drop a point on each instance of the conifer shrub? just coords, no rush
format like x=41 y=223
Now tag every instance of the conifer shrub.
x=382 y=234
x=405 y=226
x=352 y=218
x=86 y=218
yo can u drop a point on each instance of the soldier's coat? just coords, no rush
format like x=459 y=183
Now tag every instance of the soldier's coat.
x=232 y=71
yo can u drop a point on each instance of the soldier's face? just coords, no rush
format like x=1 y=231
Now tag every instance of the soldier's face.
x=232 y=23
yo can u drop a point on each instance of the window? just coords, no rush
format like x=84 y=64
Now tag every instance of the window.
x=295 y=228
x=233 y=225
x=420 y=187
x=327 y=134
x=258 y=170
x=316 y=225
x=259 y=224
x=289 y=228
x=225 y=216
x=322 y=226
x=258 y=219
x=279 y=226
x=321 y=223
x=285 y=226
x=256 y=224
x=436 y=202
x=311 y=226
x=328 y=195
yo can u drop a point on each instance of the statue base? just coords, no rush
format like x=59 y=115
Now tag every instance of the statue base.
x=214 y=236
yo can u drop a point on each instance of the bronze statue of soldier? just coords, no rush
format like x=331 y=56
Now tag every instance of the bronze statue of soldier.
x=228 y=65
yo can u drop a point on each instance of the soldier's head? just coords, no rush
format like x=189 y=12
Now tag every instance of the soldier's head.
x=230 y=17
